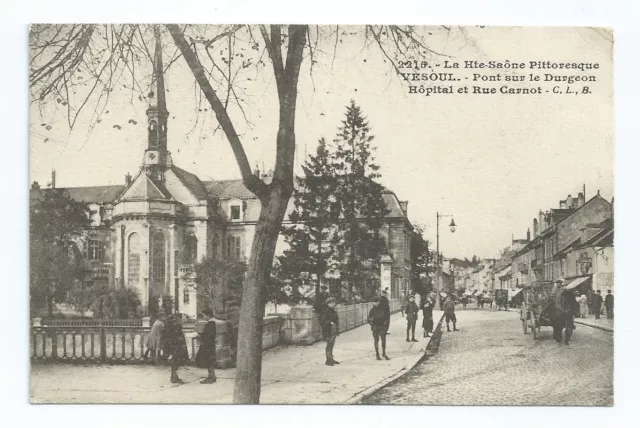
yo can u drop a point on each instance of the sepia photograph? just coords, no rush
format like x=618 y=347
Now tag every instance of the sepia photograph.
x=321 y=214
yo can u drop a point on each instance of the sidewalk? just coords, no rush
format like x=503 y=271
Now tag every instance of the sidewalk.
x=603 y=323
x=290 y=375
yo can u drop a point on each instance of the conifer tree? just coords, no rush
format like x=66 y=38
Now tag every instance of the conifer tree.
x=310 y=254
x=361 y=200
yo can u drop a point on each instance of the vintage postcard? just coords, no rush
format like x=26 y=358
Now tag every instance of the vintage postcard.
x=321 y=214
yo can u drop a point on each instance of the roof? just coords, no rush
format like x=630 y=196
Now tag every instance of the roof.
x=94 y=194
x=228 y=189
x=192 y=182
x=603 y=238
x=393 y=205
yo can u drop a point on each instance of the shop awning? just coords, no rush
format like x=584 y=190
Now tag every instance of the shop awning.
x=577 y=282
x=514 y=293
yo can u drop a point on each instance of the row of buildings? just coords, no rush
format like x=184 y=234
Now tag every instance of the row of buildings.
x=149 y=232
x=573 y=242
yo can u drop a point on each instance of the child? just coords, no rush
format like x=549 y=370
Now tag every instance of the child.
x=154 y=341
x=378 y=320
x=412 y=316
x=449 y=309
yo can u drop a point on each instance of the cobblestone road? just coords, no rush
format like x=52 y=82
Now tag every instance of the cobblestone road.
x=491 y=362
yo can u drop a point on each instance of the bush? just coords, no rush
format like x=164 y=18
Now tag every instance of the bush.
x=121 y=303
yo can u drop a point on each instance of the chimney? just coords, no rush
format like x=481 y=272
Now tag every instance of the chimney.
x=569 y=202
x=541 y=221
x=584 y=191
x=528 y=234
x=580 y=199
x=127 y=179
x=35 y=186
x=536 y=232
x=53 y=179
x=612 y=208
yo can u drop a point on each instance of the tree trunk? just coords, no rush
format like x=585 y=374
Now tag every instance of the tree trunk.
x=249 y=357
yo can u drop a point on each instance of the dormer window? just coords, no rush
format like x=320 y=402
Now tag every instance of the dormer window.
x=235 y=212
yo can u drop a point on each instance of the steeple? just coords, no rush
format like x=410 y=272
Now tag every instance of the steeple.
x=157 y=157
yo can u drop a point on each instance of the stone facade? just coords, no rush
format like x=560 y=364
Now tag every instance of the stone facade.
x=148 y=233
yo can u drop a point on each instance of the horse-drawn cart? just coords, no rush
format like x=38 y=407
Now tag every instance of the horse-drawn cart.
x=535 y=309
x=501 y=298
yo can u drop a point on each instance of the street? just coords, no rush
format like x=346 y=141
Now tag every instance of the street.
x=491 y=362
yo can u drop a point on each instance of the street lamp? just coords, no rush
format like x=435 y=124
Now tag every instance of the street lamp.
x=452 y=228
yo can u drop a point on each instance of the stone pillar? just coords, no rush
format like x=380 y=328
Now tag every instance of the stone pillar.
x=171 y=254
x=385 y=272
x=145 y=268
x=146 y=322
x=303 y=319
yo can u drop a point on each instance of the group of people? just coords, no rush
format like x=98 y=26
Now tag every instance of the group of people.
x=166 y=341
x=594 y=305
x=379 y=319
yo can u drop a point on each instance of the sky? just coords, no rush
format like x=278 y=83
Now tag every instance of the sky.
x=491 y=161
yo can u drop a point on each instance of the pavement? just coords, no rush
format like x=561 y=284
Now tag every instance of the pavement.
x=590 y=320
x=491 y=362
x=290 y=375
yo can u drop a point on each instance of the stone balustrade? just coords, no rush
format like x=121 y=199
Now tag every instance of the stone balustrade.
x=118 y=344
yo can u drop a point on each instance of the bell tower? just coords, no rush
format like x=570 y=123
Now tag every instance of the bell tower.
x=156 y=156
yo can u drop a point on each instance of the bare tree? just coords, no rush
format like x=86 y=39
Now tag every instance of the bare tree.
x=73 y=66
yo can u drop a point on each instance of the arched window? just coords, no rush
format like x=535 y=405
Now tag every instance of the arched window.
x=158 y=262
x=133 y=260
x=191 y=249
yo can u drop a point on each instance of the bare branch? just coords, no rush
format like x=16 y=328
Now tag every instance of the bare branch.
x=253 y=183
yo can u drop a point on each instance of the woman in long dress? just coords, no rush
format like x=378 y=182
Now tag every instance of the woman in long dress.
x=584 y=307
x=427 y=316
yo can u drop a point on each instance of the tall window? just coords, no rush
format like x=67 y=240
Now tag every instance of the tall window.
x=96 y=249
x=234 y=249
x=133 y=259
x=158 y=261
x=191 y=249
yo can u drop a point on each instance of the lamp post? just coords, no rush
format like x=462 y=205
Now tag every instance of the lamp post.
x=452 y=228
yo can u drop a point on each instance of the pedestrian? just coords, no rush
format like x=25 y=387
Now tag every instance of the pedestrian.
x=449 y=309
x=412 y=317
x=577 y=305
x=590 y=301
x=403 y=303
x=465 y=300
x=583 y=306
x=175 y=345
x=597 y=304
x=377 y=319
x=608 y=303
x=206 y=356
x=330 y=329
x=427 y=315
x=154 y=341
x=384 y=304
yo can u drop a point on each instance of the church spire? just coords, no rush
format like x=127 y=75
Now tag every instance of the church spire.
x=157 y=156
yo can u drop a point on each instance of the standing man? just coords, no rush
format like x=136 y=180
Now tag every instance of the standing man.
x=412 y=317
x=384 y=304
x=176 y=345
x=427 y=314
x=206 y=357
x=377 y=319
x=597 y=304
x=608 y=304
x=449 y=308
x=330 y=329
